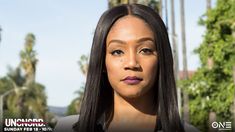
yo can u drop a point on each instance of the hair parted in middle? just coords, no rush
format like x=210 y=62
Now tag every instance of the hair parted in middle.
x=98 y=95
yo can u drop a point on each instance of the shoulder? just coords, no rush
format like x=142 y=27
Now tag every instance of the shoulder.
x=65 y=124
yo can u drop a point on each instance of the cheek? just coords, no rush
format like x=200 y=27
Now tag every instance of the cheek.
x=150 y=68
x=113 y=66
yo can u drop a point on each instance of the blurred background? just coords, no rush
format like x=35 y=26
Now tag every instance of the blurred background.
x=45 y=46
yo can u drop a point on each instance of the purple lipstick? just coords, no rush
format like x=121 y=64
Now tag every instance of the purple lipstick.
x=132 y=80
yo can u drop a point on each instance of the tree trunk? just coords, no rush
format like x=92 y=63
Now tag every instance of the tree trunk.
x=234 y=99
x=0 y=34
x=174 y=48
x=212 y=118
x=208 y=4
x=210 y=64
x=166 y=13
x=160 y=8
x=1 y=113
x=184 y=48
x=185 y=67
x=233 y=34
x=174 y=45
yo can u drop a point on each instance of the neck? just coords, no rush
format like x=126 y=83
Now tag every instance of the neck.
x=133 y=113
x=143 y=105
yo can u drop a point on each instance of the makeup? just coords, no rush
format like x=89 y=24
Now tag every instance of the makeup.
x=132 y=80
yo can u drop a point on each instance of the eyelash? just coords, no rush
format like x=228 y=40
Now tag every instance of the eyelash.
x=146 y=51
x=117 y=52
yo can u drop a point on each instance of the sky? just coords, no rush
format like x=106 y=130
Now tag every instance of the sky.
x=64 y=31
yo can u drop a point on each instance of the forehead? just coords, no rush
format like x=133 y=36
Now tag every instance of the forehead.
x=130 y=27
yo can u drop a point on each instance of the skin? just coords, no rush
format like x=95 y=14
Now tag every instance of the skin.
x=130 y=51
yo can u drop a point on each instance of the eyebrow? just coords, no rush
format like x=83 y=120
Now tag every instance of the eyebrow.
x=138 y=41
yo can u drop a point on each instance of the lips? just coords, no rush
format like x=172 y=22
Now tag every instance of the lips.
x=132 y=80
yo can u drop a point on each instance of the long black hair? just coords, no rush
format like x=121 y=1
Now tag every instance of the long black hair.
x=98 y=95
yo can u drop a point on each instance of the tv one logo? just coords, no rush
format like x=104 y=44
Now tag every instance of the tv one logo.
x=222 y=125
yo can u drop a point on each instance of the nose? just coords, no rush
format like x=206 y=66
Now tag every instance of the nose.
x=132 y=61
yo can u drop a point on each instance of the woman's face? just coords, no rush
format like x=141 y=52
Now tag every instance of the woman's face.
x=131 y=57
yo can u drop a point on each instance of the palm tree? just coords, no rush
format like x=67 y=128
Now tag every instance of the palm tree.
x=166 y=13
x=32 y=101
x=83 y=63
x=233 y=34
x=208 y=4
x=112 y=3
x=160 y=8
x=234 y=96
x=184 y=48
x=28 y=58
x=29 y=103
x=155 y=4
x=185 y=67
x=74 y=106
x=174 y=48
x=0 y=34
x=35 y=97
x=173 y=37
x=210 y=63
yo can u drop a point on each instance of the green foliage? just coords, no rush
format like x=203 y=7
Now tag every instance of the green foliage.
x=5 y=85
x=83 y=64
x=72 y=108
x=211 y=89
x=154 y=4
x=27 y=98
x=75 y=105
x=28 y=58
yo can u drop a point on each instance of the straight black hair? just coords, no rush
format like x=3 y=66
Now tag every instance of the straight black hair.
x=98 y=95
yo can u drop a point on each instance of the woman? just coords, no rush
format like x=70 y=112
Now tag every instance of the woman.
x=130 y=83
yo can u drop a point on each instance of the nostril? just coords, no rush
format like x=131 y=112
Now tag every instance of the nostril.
x=135 y=67
x=132 y=68
x=131 y=62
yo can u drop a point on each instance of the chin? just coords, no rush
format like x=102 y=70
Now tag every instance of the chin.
x=131 y=95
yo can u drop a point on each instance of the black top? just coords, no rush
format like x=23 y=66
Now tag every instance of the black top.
x=102 y=127
x=66 y=124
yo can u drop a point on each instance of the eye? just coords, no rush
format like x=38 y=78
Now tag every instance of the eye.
x=117 y=52
x=146 y=51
